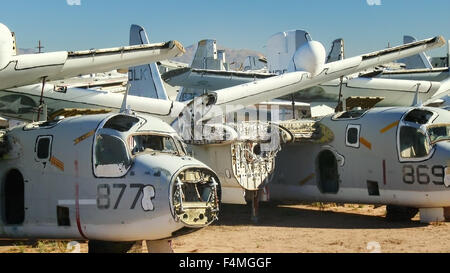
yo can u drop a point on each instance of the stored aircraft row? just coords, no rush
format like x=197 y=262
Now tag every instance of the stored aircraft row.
x=126 y=175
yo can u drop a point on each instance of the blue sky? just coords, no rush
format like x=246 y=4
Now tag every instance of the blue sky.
x=234 y=23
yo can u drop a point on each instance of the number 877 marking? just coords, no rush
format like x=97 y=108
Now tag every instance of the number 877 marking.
x=104 y=195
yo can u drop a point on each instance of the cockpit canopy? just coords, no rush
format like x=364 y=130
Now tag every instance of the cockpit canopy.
x=417 y=134
x=413 y=143
x=121 y=123
x=119 y=139
x=111 y=158
x=439 y=132
x=155 y=143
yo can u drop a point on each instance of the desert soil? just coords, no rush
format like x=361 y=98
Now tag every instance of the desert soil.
x=291 y=228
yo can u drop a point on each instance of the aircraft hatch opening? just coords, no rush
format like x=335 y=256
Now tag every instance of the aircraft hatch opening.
x=14 y=190
x=328 y=180
x=195 y=197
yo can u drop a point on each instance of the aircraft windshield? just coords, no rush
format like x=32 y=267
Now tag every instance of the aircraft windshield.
x=111 y=156
x=154 y=143
x=413 y=143
x=439 y=132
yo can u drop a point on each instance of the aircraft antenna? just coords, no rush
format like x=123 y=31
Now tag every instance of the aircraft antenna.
x=293 y=106
x=125 y=107
x=339 y=106
x=39 y=47
x=416 y=97
x=41 y=100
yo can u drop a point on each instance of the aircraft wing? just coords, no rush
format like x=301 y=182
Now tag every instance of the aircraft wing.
x=29 y=69
x=264 y=90
x=210 y=79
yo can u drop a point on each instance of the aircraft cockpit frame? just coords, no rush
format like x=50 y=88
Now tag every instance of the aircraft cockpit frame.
x=414 y=143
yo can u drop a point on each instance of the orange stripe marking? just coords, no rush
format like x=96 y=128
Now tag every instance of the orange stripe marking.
x=304 y=181
x=389 y=127
x=57 y=163
x=366 y=143
x=84 y=137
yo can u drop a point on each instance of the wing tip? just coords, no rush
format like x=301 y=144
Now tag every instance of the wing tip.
x=439 y=40
x=178 y=45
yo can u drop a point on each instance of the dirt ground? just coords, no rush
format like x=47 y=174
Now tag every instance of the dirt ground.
x=285 y=228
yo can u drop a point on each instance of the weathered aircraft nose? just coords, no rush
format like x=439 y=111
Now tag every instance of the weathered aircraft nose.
x=195 y=197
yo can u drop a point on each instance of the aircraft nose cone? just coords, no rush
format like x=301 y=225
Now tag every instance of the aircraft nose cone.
x=310 y=58
x=195 y=197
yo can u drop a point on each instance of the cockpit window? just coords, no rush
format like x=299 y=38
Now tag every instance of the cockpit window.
x=111 y=157
x=439 y=132
x=154 y=143
x=121 y=123
x=413 y=143
x=352 y=114
x=419 y=116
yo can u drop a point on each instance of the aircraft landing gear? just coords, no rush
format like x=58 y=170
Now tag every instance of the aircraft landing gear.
x=255 y=206
x=114 y=247
x=399 y=213
x=159 y=246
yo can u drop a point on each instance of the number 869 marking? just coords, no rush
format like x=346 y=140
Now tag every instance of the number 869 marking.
x=422 y=175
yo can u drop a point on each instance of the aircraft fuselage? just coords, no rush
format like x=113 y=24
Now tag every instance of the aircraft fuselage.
x=370 y=161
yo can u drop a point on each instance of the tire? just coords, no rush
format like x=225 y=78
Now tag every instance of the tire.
x=399 y=213
x=112 y=247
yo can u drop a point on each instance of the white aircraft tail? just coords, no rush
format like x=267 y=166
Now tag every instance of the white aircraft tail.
x=254 y=63
x=208 y=57
x=7 y=46
x=337 y=51
x=281 y=48
x=418 y=61
x=145 y=79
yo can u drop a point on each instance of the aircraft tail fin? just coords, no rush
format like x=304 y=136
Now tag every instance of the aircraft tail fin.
x=145 y=79
x=281 y=48
x=208 y=57
x=7 y=45
x=418 y=61
x=337 y=51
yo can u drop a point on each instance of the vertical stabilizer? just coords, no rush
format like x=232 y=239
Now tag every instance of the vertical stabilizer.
x=418 y=61
x=337 y=51
x=145 y=80
x=254 y=63
x=7 y=46
x=207 y=56
x=281 y=48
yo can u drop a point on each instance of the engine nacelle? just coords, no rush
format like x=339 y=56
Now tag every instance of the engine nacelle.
x=310 y=57
x=6 y=45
